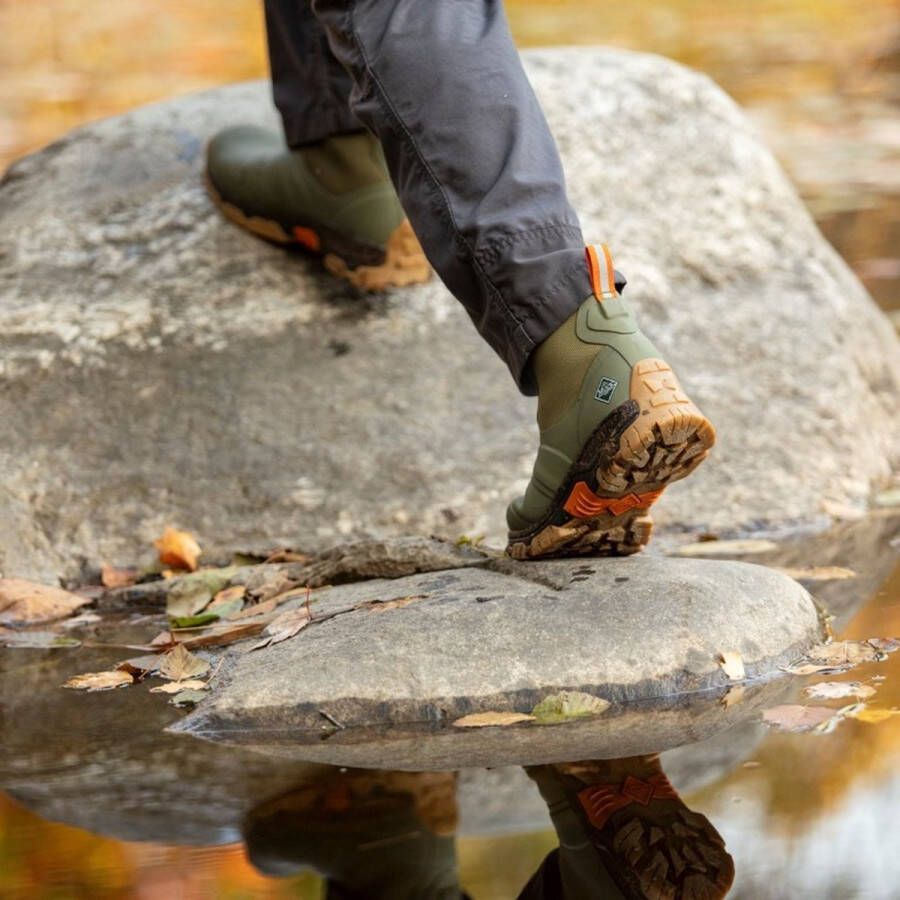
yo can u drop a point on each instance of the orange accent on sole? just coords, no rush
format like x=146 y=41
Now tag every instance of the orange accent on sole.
x=583 y=503
x=308 y=238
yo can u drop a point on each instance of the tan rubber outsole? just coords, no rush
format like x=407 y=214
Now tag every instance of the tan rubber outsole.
x=668 y=440
x=404 y=263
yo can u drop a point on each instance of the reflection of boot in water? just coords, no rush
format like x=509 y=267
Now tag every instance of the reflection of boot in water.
x=623 y=816
x=373 y=835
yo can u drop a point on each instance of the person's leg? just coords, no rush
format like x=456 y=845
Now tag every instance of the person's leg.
x=311 y=89
x=323 y=184
x=442 y=87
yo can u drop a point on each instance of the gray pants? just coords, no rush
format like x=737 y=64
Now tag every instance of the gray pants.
x=441 y=85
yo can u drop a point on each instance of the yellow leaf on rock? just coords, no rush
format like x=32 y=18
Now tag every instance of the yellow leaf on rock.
x=486 y=719
x=99 y=681
x=179 y=663
x=178 y=548
x=173 y=687
x=26 y=602
x=732 y=664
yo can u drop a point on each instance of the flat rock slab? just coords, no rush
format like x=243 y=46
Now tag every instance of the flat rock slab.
x=393 y=663
x=157 y=364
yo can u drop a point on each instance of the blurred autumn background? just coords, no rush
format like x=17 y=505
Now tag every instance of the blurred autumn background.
x=821 y=79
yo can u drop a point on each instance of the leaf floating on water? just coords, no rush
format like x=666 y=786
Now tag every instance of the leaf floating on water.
x=283 y=627
x=99 y=681
x=27 y=602
x=567 y=705
x=36 y=640
x=178 y=549
x=732 y=664
x=801 y=718
x=173 y=687
x=817 y=573
x=841 y=655
x=179 y=663
x=187 y=698
x=111 y=577
x=726 y=548
x=837 y=690
x=488 y=719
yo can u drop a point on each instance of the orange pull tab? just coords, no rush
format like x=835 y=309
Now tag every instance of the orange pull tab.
x=603 y=276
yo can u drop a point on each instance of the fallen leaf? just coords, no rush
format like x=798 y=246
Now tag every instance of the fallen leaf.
x=566 y=705
x=139 y=667
x=726 y=548
x=284 y=626
x=111 y=577
x=841 y=655
x=800 y=718
x=286 y=556
x=198 y=621
x=890 y=497
x=83 y=618
x=836 y=690
x=843 y=511
x=395 y=603
x=192 y=593
x=179 y=663
x=173 y=687
x=487 y=719
x=178 y=548
x=216 y=637
x=874 y=716
x=732 y=664
x=817 y=573
x=187 y=698
x=99 y=681
x=36 y=640
x=228 y=602
x=26 y=602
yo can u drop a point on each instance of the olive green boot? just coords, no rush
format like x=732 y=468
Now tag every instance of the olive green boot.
x=616 y=428
x=333 y=198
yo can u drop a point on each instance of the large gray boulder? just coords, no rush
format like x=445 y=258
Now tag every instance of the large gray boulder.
x=387 y=666
x=157 y=364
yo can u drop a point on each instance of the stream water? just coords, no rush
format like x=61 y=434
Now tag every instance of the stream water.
x=100 y=802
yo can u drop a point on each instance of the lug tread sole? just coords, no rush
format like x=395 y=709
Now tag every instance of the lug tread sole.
x=404 y=261
x=666 y=442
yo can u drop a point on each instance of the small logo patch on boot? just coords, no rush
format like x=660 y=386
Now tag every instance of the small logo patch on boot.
x=605 y=390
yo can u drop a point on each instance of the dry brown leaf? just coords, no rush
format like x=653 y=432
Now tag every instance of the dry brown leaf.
x=217 y=636
x=817 y=573
x=395 y=603
x=842 y=655
x=99 y=681
x=800 y=718
x=732 y=664
x=179 y=663
x=486 y=719
x=173 y=687
x=284 y=626
x=286 y=556
x=111 y=577
x=178 y=548
x=27 y=602
x=139 y=667
x=837 y=690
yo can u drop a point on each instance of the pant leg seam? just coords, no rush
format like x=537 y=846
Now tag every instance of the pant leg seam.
x=497 y=245
x=385 y=101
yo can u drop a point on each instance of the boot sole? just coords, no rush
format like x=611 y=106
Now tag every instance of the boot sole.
x=664 y=852
x=398 y=263
x=601 y=508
